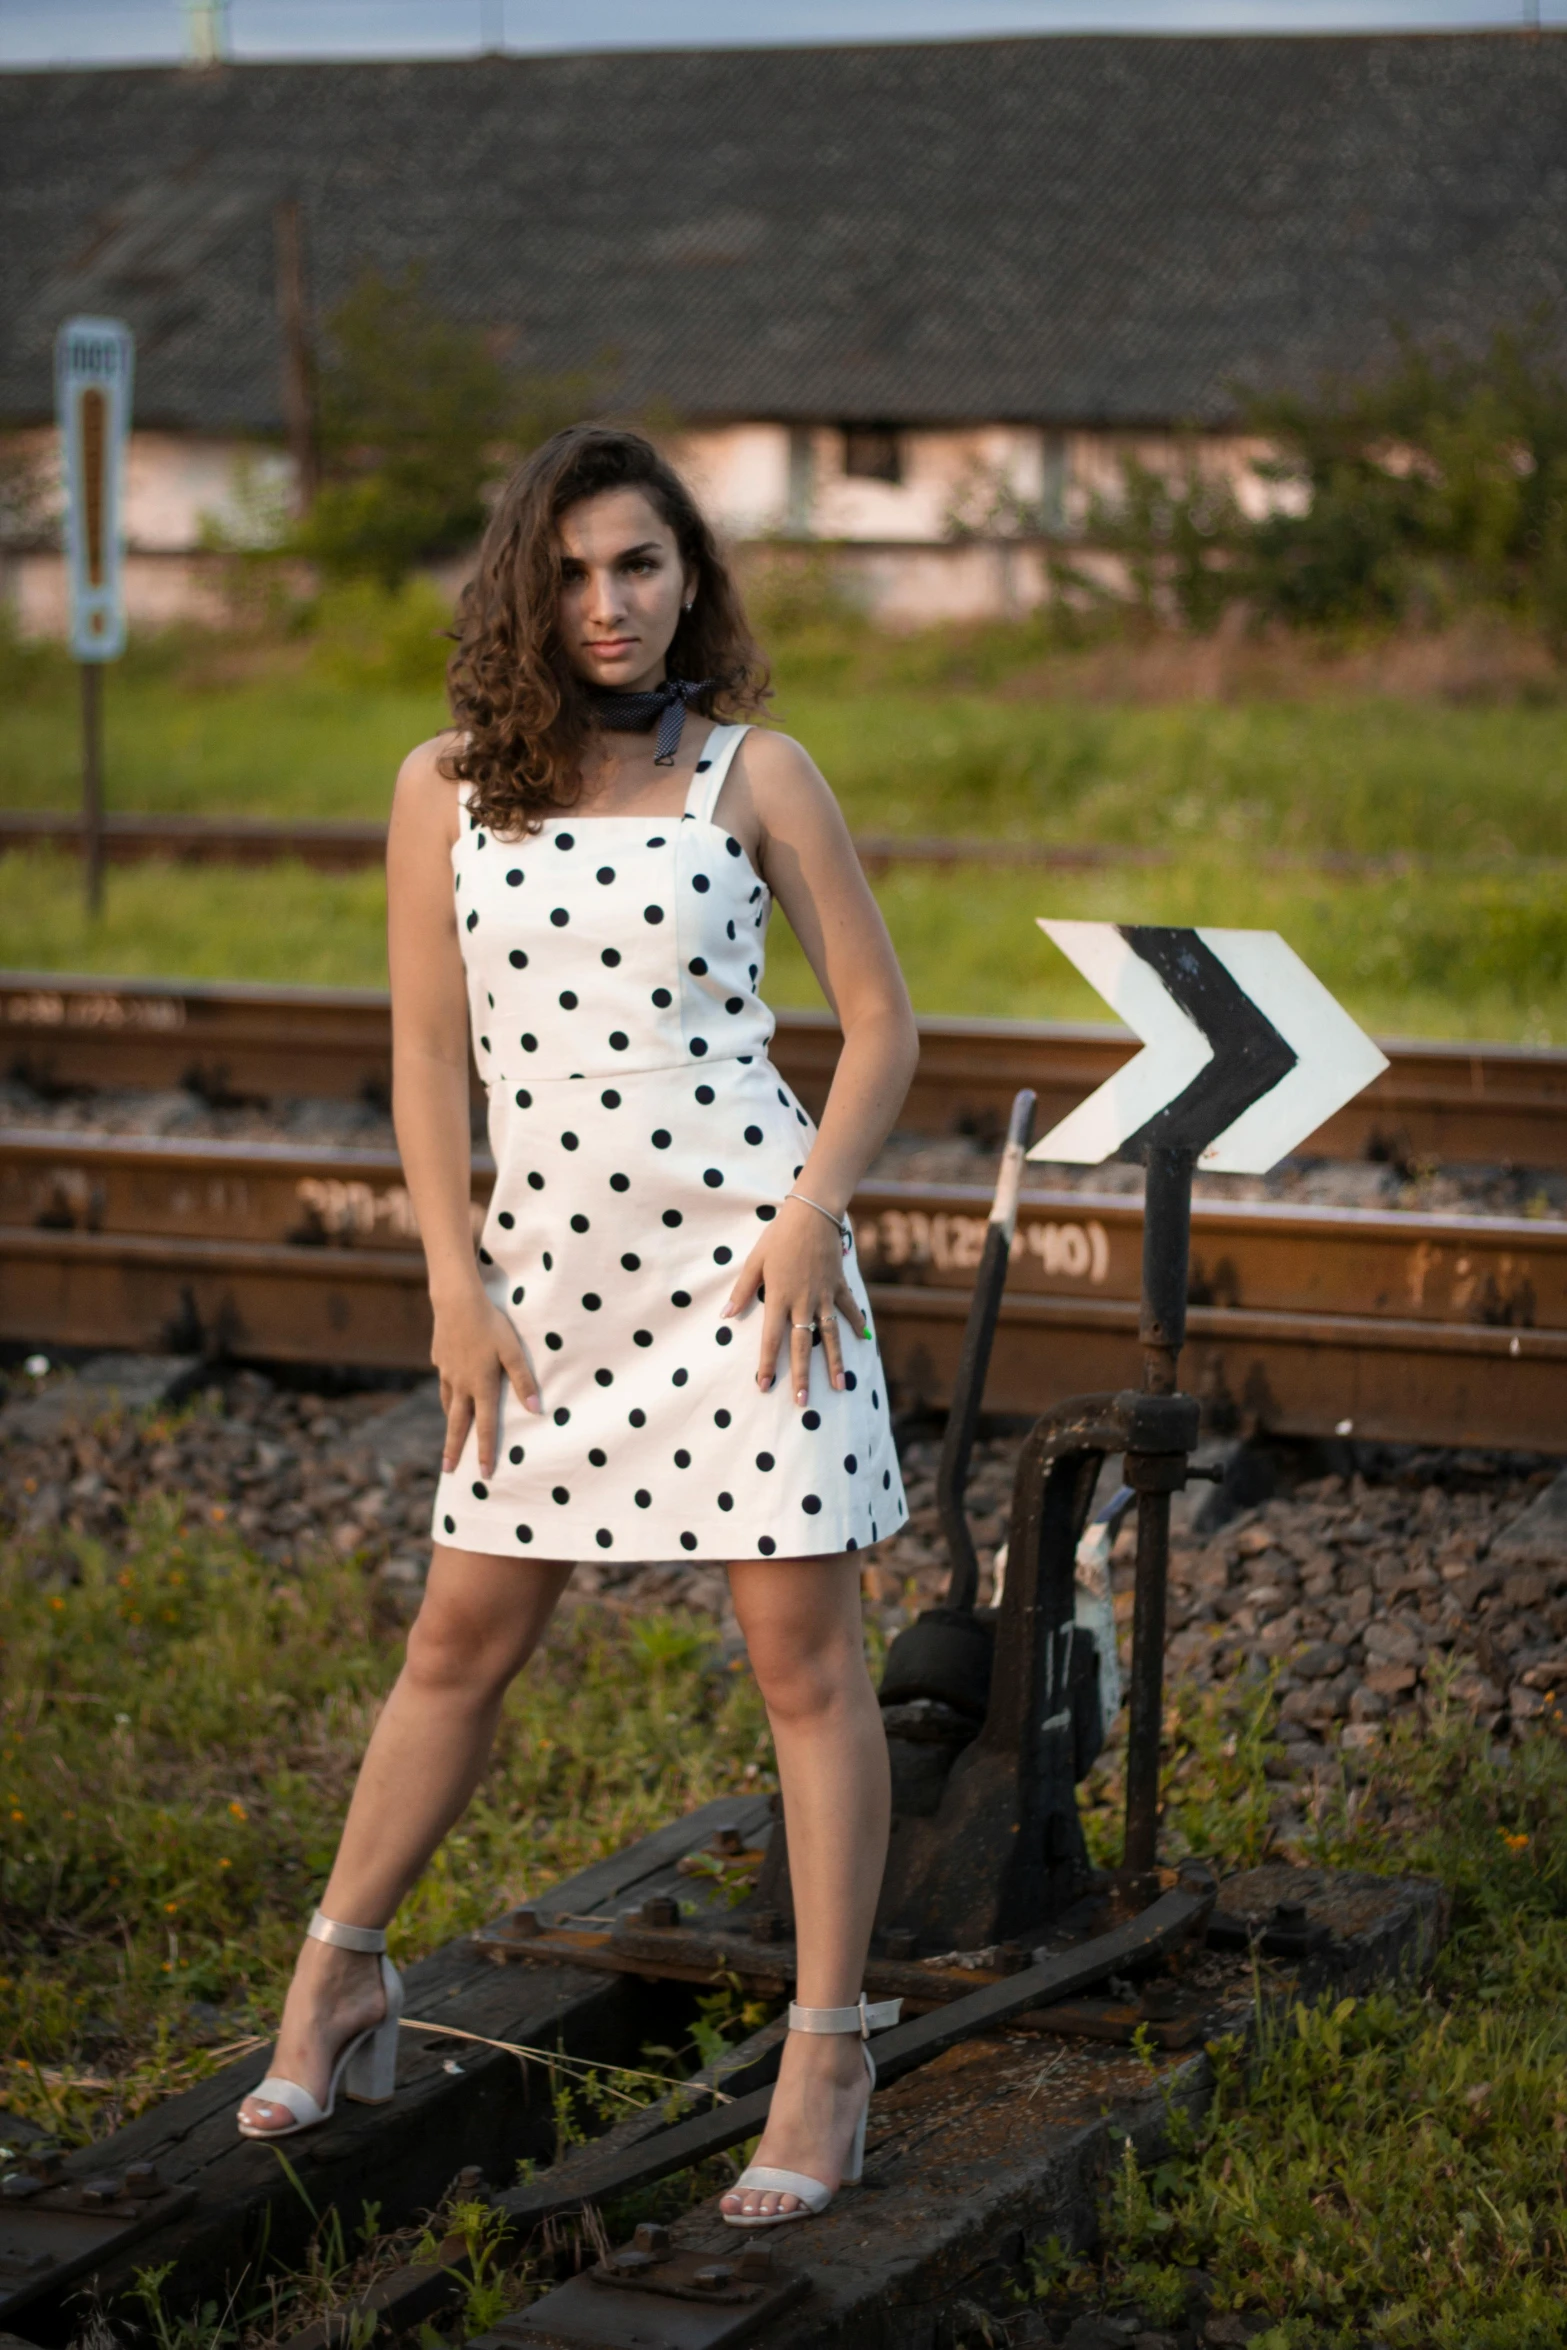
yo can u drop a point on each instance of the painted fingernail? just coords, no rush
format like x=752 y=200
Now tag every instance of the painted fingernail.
x=800 y=1394
x=728 y=1310
x=534 y=1404
x=838 y=1379
x=763 y=1384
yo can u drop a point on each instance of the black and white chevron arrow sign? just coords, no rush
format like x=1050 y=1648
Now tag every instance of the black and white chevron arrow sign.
x=1245 y=1052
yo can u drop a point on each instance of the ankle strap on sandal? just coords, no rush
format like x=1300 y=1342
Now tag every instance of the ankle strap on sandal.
x=863 y=2018
x=371 y=1939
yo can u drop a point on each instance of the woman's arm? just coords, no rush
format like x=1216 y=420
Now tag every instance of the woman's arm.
x=809 y=863
x=474 y=1345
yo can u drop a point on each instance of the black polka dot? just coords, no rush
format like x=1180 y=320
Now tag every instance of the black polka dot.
x=515 y=876
x=688 y=1542
x=548 y=1262
x=560 y=917
x=850 y=1381
x=506 y=1219
x=517 y=1296
x=724 y=1336
x=561 y=1495
x=560 y=1415
x=703 y=765
x=662 y=998
x=642 y=1498
x=811 y=1504
x=766 y=1545
x=568 y=1002
x=641 y=1337
x=735 y=1003
x=568 y=1142
x=605 y=1378
x=721 y=1419
x=610 y=956
x=631 y=1263
x=661 y=1138
x=810 y=1419
x=698 y=1046
x=517 y=959
x=484 y=1044
x=705 y=1094
x=598 y=1457
x=606 y=874
x=580 y=1224
x=679 y=1378
x=473 y=921
x=751 y=969
x=700 y=882
x=875 y=1401
x=765 y=1214
x=638 y=1418
x=591 y=1301
x=515 y=1456
x=603 y=1538
x=851 y=1544
x=680 y=1297
x=753 y=1135
x=524 y=1533
x=657 y=841
x=450 y=1525
x=697 y=967
x=886 y=1479
x=682 y=1460
x=726 y=1501
x=732 y=845
x=713 y=1177
x=729 y=926
x=764 y=1460
x=535 y=1181
x=721 y=1256
x=851 y=1462
x=610 y=1098
x=554 y=1341
x=523 y=1098
x=529 y=1042
x=485 y=1257
x=618 y=1040
x=652 y=913
x=620 y=1183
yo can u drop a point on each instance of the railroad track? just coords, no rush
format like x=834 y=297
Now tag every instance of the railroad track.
x=1305 y=1320
x=1498 y=1105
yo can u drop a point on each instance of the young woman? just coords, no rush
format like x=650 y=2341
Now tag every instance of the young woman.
x=663 y=1349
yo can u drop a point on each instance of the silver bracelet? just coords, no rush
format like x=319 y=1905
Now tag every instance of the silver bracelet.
x=840 y=1224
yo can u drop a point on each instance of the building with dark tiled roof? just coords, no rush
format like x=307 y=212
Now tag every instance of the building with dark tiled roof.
x=870 y=282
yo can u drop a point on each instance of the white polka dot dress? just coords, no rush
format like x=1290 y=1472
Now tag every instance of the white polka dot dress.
x=642 y=1139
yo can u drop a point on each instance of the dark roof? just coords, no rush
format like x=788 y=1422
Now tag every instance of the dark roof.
x=1066 y=230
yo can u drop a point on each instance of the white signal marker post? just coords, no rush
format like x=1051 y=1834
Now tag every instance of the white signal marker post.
x=1244 y=1054
x=94 y=365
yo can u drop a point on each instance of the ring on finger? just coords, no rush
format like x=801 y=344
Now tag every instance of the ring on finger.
x=805 y=1325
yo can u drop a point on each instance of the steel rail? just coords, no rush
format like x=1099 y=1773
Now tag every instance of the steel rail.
x=1493 y=1104
x=1306 y=1320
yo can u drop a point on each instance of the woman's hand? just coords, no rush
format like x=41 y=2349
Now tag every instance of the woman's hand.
x=797 y=1268
x=474 y=1349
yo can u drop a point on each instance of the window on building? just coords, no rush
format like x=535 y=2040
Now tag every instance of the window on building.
x=873 y=452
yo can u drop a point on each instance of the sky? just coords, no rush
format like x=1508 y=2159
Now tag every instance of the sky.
x=110 y=32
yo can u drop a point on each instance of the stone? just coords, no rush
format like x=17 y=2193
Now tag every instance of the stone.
x=1528 y=1589
x=411 y=1431
x=1526 y=1705
x=1320 y=1661
x=1390 y=1680
x=1367 y=1705
x=1478 y=1693
x=1358 y=1737
x=1541 y=1530
x=1392 y=1641
x=107 y=1382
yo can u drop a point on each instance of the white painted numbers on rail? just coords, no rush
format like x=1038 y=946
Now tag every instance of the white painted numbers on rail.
x=952 y=1243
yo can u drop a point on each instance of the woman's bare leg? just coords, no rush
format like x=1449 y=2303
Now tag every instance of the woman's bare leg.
x=480 y=1621
x=802 y=1625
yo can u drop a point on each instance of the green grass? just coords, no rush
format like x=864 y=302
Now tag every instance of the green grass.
x=1446 y=955
x=957 y=732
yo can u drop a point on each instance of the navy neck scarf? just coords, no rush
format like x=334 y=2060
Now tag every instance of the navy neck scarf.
x=664 y=707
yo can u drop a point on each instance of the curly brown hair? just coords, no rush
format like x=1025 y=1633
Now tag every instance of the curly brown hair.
x=524 y=713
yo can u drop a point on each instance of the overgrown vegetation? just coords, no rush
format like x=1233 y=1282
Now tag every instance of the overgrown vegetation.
x=1437 y=485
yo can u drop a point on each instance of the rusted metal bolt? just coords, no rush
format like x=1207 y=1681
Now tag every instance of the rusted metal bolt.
x=523 y=1924
x=727 y=1840
x=1291 y=1917
x=141 y=2178
x=96 y=2192
x=19 y=2184
x=660 y=1910
x=764 y=1925
x=652 y=2237
x=900 y=1941
x=714 y=2277
x=628 y=2262
x=755 y=2264
x=1014 y=1958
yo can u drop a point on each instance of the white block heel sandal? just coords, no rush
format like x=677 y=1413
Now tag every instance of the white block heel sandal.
x=813 y=2196
x=366 y=2069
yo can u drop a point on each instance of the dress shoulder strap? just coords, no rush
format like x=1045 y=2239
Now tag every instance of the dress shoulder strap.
x=708 y=781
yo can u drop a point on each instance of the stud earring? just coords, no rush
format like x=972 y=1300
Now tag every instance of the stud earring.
x=687 y=607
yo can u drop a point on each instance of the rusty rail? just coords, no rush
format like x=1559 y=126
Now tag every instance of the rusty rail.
x=1418 y=1328
x=1495 y=1104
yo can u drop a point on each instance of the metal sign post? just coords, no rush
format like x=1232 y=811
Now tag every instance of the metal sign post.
x=1245 y=1054
x=94 y=362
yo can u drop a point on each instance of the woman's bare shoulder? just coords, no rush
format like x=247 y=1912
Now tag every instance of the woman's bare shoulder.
x=785 y=784
x=425 y=793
